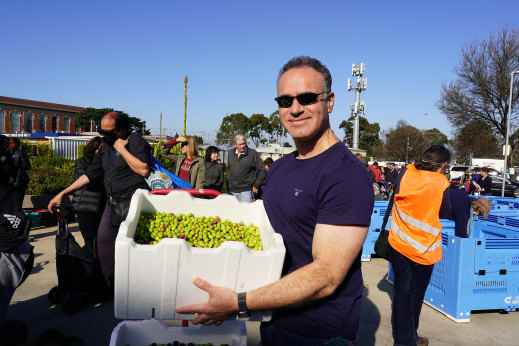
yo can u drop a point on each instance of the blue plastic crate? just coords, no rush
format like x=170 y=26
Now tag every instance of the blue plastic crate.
x=494 y=230
x=475 y=274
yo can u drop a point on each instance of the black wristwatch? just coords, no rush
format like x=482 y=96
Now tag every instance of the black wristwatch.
x=243 y=310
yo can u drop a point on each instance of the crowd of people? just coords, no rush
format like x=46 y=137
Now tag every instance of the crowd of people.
x=322 y=216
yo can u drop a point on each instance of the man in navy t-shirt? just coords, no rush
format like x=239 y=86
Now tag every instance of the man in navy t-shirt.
x=320 y=199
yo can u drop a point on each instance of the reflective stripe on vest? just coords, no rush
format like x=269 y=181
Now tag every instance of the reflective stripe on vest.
x=418 y=224
x=419 y=247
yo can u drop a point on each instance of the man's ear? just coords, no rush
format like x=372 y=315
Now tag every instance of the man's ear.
x=330 y=101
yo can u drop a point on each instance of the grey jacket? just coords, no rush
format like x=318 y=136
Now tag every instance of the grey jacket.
x=245 y=173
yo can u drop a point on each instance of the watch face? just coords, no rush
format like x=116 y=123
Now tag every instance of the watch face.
x=243 y=314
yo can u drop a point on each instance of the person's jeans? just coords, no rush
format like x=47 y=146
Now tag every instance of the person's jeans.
x=245 y=196
x=410 y=283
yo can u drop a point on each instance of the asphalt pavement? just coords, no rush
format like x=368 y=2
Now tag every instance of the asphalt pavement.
x=94 y=324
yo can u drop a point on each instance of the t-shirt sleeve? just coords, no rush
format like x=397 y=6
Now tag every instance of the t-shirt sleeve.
x=348 y=197
x=139 y=148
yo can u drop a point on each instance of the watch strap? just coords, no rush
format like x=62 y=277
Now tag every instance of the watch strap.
x=242 y=302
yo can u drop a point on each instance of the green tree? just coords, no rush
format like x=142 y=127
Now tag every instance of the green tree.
x=404 y=143
x=435 y=136
x=482 y=88
x=276 y=129
x=368 y=133
x=258 y=126
x=236 y=123
x=477 y=138
x=95 y=115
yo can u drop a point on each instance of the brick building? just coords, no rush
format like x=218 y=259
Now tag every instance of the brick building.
x=27 y=116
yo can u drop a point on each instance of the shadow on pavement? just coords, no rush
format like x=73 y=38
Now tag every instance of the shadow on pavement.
x=369 y=320
x=92 y=324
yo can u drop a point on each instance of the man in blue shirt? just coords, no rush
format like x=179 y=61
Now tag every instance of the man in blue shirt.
x=320 y=199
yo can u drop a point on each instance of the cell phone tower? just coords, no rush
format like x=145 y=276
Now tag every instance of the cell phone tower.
x=358 y=107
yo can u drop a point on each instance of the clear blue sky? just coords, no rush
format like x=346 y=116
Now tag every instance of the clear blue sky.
x=133 y=55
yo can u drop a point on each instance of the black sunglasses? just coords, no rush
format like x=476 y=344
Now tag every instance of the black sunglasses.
x=104 y=132
x=304 y=99
x=183 y=144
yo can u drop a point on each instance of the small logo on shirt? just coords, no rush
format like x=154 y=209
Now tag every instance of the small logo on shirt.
x=297 y=192
x=117 y=153
x=14 y=220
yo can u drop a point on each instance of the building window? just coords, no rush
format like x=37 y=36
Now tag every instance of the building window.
x=28 y=123
x=15 y=122
x=2 y=121
x=42 y=123
x=54 y=121
x=66 y=125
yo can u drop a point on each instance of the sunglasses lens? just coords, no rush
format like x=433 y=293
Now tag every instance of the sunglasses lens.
x=284 y=101
x=307 y=99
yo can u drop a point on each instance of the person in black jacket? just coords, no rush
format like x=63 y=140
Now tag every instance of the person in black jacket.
x=88 y=201
x=213 y=169
x=21 y=164
x=246 y=171
x=124 y=162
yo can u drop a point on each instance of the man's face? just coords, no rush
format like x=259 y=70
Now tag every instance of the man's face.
x=108 y=130
x=304 y=122
x=240 y=146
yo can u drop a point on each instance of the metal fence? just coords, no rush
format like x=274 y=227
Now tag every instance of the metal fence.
x=67 y=147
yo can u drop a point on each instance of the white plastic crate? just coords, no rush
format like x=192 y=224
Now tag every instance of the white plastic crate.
x=151 y=281
x=143 y=333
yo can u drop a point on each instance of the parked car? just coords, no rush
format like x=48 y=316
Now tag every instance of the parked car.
x=511 y=188
x=458 y=171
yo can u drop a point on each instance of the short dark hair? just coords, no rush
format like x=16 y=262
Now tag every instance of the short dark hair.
x=122 y=120
x=268 y=161
x=484 y=169
x=89 y=150
x=302 y=61
x=433 y=157
x=210 y=149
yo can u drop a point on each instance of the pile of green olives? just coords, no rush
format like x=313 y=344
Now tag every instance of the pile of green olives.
x=202 y=231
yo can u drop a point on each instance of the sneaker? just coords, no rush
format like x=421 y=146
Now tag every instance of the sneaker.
x=422 y=341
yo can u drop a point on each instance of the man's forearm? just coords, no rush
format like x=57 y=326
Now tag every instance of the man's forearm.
x=76 y=185
x=308 y=283
x=135 y=164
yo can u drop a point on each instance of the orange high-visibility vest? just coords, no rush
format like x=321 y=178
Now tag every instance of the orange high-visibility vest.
x=415 y=229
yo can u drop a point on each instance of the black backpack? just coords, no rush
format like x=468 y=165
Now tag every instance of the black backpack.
x=14 y=229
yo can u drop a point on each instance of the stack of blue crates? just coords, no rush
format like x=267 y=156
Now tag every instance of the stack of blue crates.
x=480 y=272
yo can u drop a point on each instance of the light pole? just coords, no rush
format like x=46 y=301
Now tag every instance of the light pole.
x=508 y=130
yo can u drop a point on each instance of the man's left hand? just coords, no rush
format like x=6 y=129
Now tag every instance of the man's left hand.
x=222 y=303
x=120 y=144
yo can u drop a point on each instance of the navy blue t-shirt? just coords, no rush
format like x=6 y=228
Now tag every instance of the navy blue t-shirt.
x=330 y=188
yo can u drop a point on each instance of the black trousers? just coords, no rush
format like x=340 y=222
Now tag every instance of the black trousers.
x=88 y=225
x=410 y=283
x=19 y=194
x=106 y=236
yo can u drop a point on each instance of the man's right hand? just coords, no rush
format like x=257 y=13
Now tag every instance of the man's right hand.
x=54 y=201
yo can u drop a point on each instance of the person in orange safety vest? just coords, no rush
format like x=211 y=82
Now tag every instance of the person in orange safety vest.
x=415 y=242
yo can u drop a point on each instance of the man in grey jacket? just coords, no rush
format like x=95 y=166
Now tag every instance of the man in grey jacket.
x=245 y=171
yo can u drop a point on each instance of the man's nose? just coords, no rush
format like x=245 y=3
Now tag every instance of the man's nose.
x=296 y=109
